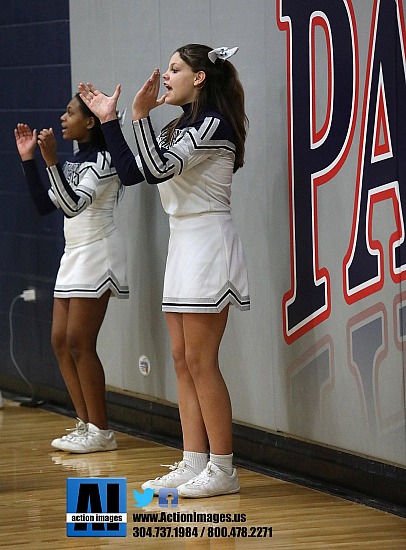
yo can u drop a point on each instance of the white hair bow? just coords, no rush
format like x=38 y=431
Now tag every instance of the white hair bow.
x=221 y=53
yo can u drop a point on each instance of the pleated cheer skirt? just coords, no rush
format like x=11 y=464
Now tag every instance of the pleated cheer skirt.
x=90 y=270
x=206 y=267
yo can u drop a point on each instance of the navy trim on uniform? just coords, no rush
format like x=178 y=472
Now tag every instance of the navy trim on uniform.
x=108 y=283
x=36 y=188
x=121 y=154
x=227 y=295
x=211 y=132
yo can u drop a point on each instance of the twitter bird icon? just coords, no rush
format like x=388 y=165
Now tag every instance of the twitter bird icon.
x=143 y=499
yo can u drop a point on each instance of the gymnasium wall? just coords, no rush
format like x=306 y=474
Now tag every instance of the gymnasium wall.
x=318 y=206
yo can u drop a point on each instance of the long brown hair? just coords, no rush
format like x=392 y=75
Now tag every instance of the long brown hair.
x=221 y=90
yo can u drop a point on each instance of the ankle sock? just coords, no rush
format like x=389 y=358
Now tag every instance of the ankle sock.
x=106 y=433
x=224 y=462
x=196 y=461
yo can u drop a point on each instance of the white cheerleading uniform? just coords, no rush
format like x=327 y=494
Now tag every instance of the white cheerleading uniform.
x=86 y=189
x=206 y=267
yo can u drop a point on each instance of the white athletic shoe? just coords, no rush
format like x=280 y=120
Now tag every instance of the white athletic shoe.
x=79 y=429
x=181 y=473
x=92 y=441
x=210 y=483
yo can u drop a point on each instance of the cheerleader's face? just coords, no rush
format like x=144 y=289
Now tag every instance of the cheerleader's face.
x=181 y=83
x=76 y=125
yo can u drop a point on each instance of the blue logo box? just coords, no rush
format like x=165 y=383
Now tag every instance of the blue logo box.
x=96 y=507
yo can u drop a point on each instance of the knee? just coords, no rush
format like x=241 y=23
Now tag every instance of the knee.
x=178 y=356
x=195 y=363
x=201 y=364
x=58 y=341
x=78 y=344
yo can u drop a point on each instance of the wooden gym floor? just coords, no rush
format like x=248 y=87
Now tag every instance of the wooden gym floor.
x=33 y=499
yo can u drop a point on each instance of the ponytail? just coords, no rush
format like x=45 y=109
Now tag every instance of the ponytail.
x=222 y=90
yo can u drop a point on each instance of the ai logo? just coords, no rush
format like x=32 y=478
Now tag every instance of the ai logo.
x=96 y=507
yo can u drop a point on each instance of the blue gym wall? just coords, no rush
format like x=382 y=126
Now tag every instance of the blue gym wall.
x=35 y=86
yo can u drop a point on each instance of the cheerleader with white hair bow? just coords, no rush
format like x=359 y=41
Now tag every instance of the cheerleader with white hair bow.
x=192 y=161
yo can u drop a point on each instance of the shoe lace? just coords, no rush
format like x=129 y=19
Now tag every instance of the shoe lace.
x=204 y=476
x=175 y=468
x=171 y=466
x=80 y=429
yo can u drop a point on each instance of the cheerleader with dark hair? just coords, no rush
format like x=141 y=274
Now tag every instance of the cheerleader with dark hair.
x=92 y=268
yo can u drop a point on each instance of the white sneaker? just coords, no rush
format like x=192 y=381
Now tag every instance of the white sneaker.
x=79 y=429
x=91 y=441
x=210 y=483
x=181 y=473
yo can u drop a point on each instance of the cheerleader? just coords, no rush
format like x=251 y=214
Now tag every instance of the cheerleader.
x=192 y=161
x=92 y=268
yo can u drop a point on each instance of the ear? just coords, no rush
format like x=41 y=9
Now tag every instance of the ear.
x=90 y=122
x=199 y=79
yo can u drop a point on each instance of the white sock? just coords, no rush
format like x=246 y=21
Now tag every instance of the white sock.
x=224 y=462
x=106 y=433
x=196 y=461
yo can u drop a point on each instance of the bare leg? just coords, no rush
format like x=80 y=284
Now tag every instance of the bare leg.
x=65 y=360
x=204 y=401
x=193 y=429
x=85 y=318
x=203 y=333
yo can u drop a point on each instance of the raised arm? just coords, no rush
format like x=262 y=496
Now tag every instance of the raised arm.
x=194 y=144
x=26 y=141
x=48 y=146
x=123 y=158
x=146 y=98
x=92 y=176
x=71 y=201
x=105 y=108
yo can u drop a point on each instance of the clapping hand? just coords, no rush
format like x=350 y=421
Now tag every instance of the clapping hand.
x=103 y=106
x=26 y=141
x=147 y=97
x=48 y=146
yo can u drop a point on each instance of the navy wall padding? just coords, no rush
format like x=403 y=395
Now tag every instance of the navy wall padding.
x=35 y=76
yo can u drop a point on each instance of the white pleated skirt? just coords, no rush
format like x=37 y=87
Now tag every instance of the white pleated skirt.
x=90 y=270
x=206 y=267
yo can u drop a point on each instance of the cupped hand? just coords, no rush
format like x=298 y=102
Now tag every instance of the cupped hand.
x=48 y=146
x=26 y=141
x=146 y=98
x=103 y=106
